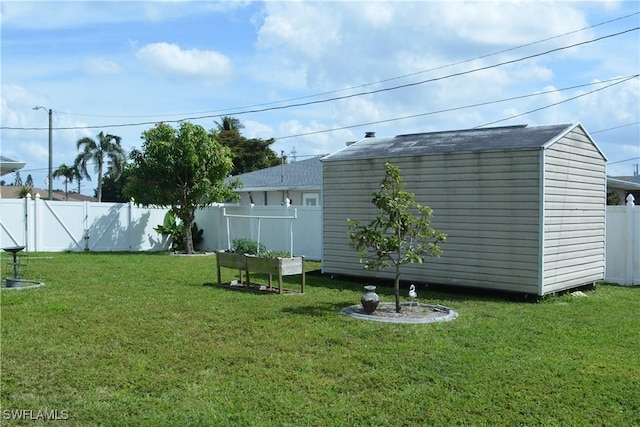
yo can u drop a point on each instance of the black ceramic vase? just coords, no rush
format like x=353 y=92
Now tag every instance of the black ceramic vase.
x=370 y=299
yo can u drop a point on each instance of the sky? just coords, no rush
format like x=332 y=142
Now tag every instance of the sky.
x=314 y=75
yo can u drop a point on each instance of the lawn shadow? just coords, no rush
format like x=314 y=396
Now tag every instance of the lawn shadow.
x=384 y=288
x=317 y=310
x=257 y=288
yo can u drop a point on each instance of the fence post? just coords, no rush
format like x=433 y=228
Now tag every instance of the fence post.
x=630 y=242
x=130 y=224
x=26 y=218
x=86 y=232
x=37 y=221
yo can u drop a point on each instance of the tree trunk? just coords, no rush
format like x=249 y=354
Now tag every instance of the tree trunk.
x=396 y=286
x=99 y=184
x=188 y=238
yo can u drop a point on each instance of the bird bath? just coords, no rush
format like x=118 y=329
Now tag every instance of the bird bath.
x=16 y=282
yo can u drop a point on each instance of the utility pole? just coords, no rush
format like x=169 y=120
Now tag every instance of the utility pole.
x=50 y=176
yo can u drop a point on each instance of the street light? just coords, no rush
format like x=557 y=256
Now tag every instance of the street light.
x=50 y=178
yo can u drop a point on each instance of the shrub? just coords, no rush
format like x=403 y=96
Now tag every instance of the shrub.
x=171 y=227
x=247 y=246
x=274 y=254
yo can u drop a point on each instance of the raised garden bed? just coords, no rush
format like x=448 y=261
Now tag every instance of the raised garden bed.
x=279 y=267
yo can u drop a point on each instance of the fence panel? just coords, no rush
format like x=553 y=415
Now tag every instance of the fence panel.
x=13 y=226
x=58 y=225
x=270 y=225
x=623 y=244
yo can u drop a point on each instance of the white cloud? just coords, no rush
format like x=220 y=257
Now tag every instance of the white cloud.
x=308 y=28
x=166 y=58
x=255 y=129
x=508 y=23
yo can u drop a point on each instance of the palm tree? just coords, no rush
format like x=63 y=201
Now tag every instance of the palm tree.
x=77 y=173
x=67 y=173
x=229 y=124
x=107 y=147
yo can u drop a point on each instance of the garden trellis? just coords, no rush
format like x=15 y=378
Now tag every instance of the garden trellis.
x=259 y=219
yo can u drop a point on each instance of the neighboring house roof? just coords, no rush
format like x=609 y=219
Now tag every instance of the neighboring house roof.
x=301 y=175
x=13 y=192
x=507 y=138
x=8 y=166
x=620 y=183
x=635 y=179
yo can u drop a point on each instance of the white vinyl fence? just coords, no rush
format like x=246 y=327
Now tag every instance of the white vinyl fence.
x=623 y=244
x=53 y=226
x=296 y=229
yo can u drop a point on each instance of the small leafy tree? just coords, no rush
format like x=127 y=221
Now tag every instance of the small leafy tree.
x=183 y=169
x=400 y=234
x=24 y=191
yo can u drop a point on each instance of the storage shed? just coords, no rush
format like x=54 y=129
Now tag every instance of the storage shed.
x=523 y=206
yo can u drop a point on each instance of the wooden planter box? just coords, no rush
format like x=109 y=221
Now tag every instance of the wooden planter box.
x=278 y=266
x=271 y=266
x=230 y=260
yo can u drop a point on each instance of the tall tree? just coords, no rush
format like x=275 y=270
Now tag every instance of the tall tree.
x=229 y=124
x=17 y=180
x=78 y=176
x=29 y=181
x=248 y=154
x=106 y=149
x=65 y=172
x=113 y=189
x=183 y=169
x=400 y=234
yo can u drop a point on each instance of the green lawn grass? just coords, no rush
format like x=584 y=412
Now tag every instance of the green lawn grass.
x=150 y=339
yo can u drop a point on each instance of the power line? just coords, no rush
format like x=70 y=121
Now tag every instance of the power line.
x=379 y=81
x=557 y=103
x=346 y=96
x=622 y=161
x=447 y=110
x=614 y=128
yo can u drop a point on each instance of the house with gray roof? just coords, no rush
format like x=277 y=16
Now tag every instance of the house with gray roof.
x=8 y=166
x=298 y=182
x=523 y=206
x=619 y=187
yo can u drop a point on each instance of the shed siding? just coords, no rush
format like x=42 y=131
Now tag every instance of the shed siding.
x=574 y=213
x=487 y=203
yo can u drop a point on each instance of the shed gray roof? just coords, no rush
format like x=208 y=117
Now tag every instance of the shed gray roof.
x=507 y=138
x=304 y=174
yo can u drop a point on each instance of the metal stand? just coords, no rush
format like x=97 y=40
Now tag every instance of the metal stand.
x=14 y=251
